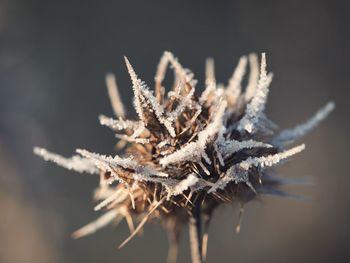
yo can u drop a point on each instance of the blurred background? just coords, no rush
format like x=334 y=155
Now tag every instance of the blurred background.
x=53 y=59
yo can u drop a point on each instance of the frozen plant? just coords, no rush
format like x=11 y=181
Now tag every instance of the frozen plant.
x=186 y=154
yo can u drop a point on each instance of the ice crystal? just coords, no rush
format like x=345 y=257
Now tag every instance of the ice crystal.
x=290 y=135
x=255 y=108
x=187 y=154
x=234 y=87
x=75 y=163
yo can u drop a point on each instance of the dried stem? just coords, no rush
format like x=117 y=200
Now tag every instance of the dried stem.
x=207 y=220
x=195 y=234
x=173 y=237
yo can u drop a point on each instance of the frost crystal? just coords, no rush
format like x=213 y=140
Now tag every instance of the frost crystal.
x=231 y=146
x=270 y=160
x=75 y=163
x=255 y=108
x=120 y=124
x=187 y=154
x=233 y=90
x=183 y=185
x=253 y=77
x=290 y=135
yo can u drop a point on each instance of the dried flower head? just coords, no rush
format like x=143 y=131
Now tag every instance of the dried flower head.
x=185 y=155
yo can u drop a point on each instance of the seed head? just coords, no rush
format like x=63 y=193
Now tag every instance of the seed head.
x=186 y=154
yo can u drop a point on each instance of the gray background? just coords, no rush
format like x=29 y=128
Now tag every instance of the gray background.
x=53 y=59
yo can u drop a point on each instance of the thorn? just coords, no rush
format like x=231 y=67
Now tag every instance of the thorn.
x=240 y=217
x=142 y=223
x=207 y=220
x=249 y=184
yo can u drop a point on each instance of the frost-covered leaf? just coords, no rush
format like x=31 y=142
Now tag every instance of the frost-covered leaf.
x=229 y=147
x=108 y=162
x=118 y=125
x=236 y=174
x=210 y=81
x=256 y=107
x=143 y=96
x=137 y=85
x=270 y=160
x=253 y=77
x=234 y=87
x=290 y=135
x=185 y=75
x=183 y=185
x=75 y=163
x=196 y=150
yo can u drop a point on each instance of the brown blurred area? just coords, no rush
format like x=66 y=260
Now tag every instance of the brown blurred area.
x=53 y=59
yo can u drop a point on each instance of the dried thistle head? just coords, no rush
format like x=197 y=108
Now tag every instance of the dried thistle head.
x=187 y=154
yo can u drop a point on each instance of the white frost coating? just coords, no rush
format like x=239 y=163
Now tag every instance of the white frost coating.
x=118 y=196
x=137 y=86
x=219 y=154
x=229 y=147
x=158 y=110
x=221 y=183
x=210 y=88
x=183 y=185
x=114 y=95
x=234 y=85
x=195 y=150
x=185 y=75
x=100 y=222
x=163 y=143
x=181 y=73
x=239 y=172
x=150 y=171
x=173 y=186
x=107 y=162
x=235 y=173
x=161 y=69
x=253 y=77
x=138 y=130
x=146 y=97
x=75 y=163
x=168 y=183
x=290 y=135
x=210 y=81
x=270 y=160
x=256 y=106
x=185 y=102
x=118 y=125
x=201 y=184
x=198 y=112
x=131 y=138
x=190 y=151
x=215 y=126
